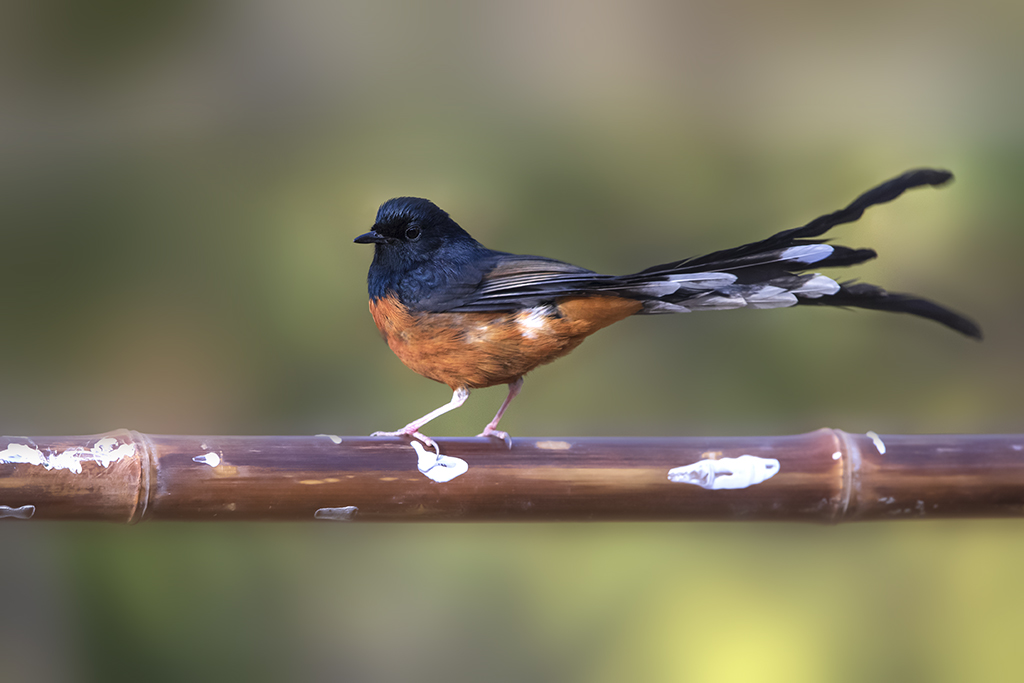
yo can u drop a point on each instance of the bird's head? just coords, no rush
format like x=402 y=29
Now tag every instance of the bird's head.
x=410 y=230
x=419 y=253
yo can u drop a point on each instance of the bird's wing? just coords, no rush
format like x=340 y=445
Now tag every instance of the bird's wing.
x=523 y=281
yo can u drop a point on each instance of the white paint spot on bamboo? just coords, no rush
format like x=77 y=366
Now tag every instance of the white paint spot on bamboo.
x=726 y=473
x=877 y=440
x=104 y=453
x=19 y=453
x=441 y=468
x=109 y=449
x=333 y=437
x=837 y=455
x=211 y=459
x=23 y=512
x=554 y=445
x=342 y=514
x=1017 y=447
x=888 y=500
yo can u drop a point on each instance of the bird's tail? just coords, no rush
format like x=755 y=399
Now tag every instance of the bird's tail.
x=770 y=273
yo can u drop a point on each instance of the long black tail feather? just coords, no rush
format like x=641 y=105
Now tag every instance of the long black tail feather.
x=886 y=192
x=864 y=295
x=761 y=267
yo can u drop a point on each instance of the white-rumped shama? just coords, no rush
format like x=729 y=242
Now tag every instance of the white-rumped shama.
x=470 y=317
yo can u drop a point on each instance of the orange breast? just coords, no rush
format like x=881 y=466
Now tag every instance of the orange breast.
x=475 y=350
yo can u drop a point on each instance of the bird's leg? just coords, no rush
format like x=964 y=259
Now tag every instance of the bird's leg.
x=491 y=428
x=413 y=428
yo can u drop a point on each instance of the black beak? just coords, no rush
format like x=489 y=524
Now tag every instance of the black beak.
x=372 y=237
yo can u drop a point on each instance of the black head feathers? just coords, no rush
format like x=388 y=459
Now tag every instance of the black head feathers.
x=421 y=254
x=419 y=224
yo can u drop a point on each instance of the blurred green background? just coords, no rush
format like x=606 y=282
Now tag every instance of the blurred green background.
x=181 y=182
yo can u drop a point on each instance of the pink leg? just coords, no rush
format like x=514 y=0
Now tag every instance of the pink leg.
x=413 y=428
x=491 y=429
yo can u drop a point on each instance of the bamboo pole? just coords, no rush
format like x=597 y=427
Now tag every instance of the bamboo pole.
x=825 y=476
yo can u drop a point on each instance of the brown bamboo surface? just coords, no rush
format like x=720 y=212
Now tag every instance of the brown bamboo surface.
x=827 y=476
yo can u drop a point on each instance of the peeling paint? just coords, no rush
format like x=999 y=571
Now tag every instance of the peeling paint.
x=211 y=459
x=554 y=445
x=23 y=512
x=441 y=468
x=19 y=453
x=333 y=437
x=877 y=440
x=342 y=514
x=726 y=473
x=104 y=453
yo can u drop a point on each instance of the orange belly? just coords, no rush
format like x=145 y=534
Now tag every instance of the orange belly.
x=476 y=350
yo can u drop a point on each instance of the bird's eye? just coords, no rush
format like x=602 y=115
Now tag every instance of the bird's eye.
x=412 y=233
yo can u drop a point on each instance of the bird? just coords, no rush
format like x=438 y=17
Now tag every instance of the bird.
x=470 y=317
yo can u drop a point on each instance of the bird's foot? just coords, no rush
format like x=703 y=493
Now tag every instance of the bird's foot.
x=491 y=431
x=414 y=433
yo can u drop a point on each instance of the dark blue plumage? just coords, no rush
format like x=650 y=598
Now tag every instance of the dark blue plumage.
x=423 y=256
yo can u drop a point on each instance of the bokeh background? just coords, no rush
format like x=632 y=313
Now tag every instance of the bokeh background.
x=180 y=182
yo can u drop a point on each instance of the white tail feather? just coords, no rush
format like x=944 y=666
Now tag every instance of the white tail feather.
x=807 y=253
x=817 y=286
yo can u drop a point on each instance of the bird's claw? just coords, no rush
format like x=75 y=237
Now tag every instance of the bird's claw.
x=427 y=441
x=499 y=434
